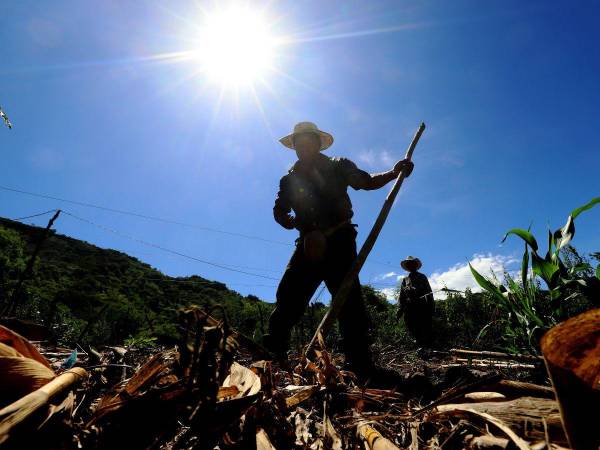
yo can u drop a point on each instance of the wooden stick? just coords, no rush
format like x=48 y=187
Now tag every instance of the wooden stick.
x=17 y=412
x=497 y=365
x=497 y=355
x=492 y=363
x=338 y=301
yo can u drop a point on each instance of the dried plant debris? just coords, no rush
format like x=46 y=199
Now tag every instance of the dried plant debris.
x=5 y=119
x=212 y=391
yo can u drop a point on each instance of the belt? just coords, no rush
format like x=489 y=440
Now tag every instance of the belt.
x=329 y=231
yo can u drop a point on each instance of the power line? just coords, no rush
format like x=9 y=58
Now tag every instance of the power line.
x=219 y=265
x=144 y=216
x=235 y=266
x=35 y=215
x=157 y=219
x=163 y=220
x=162 y=280
x=191 y=281
x=167 y=250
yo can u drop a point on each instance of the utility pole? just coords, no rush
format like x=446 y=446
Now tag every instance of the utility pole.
x=15 y=298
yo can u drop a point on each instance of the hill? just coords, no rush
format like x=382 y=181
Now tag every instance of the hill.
x=90 y=294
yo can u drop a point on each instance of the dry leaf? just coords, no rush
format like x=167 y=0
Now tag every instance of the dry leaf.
x=227 y=392
x=262 y=441
x=19 y=376
x=22 y=345
x=246 y=381
x=6 y=350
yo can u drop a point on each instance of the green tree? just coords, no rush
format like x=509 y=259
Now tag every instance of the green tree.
x=12 y=261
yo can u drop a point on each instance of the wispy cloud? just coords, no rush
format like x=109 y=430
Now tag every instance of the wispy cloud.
x=387 y=276
x=377 y=159
x=46 y=159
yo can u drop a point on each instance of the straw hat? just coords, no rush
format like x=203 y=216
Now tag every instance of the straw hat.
x=411 y=260
x=307 y=127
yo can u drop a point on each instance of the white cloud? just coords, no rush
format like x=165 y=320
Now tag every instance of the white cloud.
x=354 y=114
x=458 y=276
x=390 y=294
x=385 y=276
x=377 y=159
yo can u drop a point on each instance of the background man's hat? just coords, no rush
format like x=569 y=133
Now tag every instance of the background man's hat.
x=409 y=261
x=307 y=127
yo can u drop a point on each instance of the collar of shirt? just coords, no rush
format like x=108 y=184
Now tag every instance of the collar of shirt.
x=318 y=163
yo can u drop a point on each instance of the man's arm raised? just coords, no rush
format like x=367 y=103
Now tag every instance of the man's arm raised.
x=363 y=180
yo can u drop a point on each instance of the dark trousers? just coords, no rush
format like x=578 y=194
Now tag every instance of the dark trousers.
x=418 y=320
x=300 y=281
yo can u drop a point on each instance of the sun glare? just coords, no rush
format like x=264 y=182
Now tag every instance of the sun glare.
x=236 y=47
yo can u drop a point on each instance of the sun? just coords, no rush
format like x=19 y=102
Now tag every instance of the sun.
x=235 y=45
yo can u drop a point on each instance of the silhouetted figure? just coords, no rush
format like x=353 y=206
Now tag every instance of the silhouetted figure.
x=416 y=302
x=315 y=189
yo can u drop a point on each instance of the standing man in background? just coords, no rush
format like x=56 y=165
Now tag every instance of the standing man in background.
x=416 y=302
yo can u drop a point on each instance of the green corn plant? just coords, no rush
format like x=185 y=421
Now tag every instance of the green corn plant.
x=529 y=310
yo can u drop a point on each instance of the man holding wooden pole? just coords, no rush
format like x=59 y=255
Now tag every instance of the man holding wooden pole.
x=315 y=190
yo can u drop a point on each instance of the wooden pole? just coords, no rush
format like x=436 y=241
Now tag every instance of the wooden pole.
x=494 y=355
x=15 y=298
x=338 y=301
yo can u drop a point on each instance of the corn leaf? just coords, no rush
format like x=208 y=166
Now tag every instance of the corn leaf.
x=486 y=284
x=593 y=202
x=579 y=268
x=564 y=235
x=545 y=269
x=525 y=235
x=525 y=268
x=553 y=239
x=598 y=272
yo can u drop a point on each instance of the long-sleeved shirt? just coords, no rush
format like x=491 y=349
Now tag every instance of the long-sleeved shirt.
x=318 y=195
x=415 y=292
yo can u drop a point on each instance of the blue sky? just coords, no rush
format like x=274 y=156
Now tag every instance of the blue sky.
x=508 y=90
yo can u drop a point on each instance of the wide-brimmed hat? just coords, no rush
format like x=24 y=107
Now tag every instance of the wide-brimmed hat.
x=411 y=260
x=307 y=127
